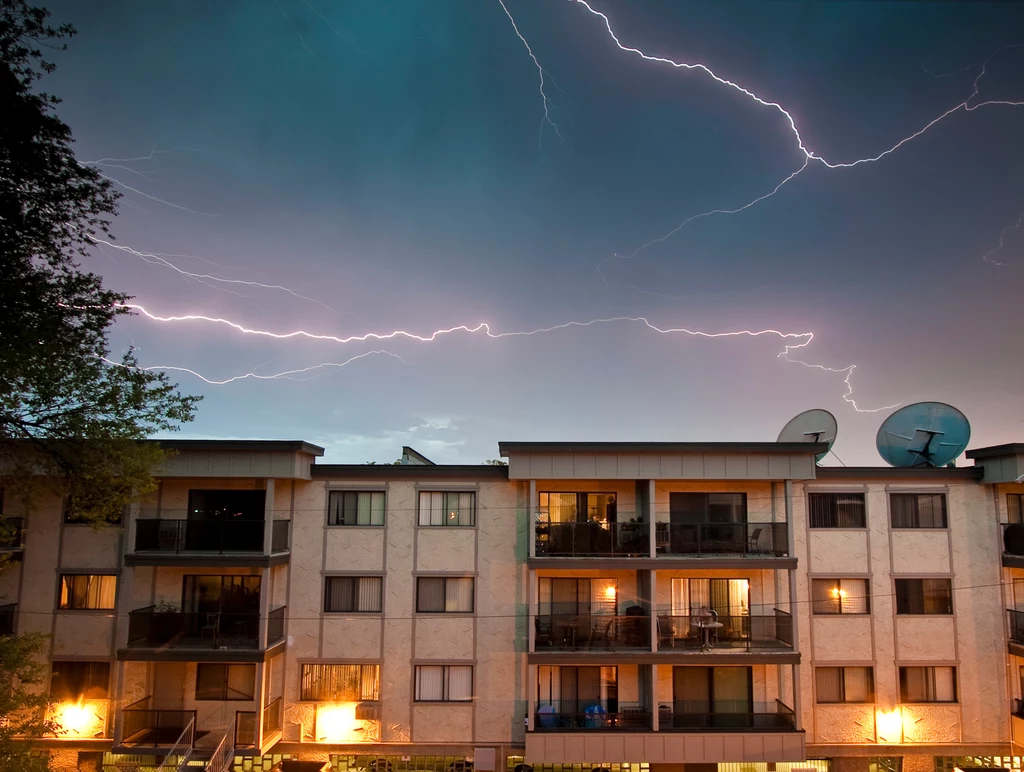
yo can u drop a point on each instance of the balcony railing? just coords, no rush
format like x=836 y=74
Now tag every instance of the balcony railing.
x=725 y=631
x=739 y=715
x=1016 y=625
x=245 y=729
x=145 y=727
x=746 y=539
x=591 y=716
x=12 y=533
x=1013 y=538
x=275 y=624
x=592 y=540
x=279 y=535
x=7 y=612
x=592 y=631
x=216 y=536
x=149 y=628
x=272 y=718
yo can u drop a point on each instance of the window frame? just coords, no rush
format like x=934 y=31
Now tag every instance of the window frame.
x=864 y=511
x=445 y=683
x=872 y=699
x=1017 y=509
x=446 y=579
x=357 y=578
x=942 y=495
x=92 y=683
x=357 y=492
x=445 y=492
x=335 y=697
x=923 y=596
x=837 y=582
x=901 y=681
x=224 y=695
x=75 y=575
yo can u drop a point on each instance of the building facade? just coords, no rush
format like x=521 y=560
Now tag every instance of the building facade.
x=590 y=606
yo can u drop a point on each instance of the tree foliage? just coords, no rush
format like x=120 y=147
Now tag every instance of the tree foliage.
x=68 y=410
x=22 y=701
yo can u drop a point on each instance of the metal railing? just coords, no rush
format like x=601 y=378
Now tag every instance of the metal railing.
x=245 y=729
x=592 y=631
x=725 y=631
x=575 y=715
x=279 y=530
x=725 y=715
x=7 y=618
x=218 y=536
x=142 y=726
x=593 y=540
x=181 y=750
x=149 y=628
x=223 y=756
x=747 y=539
x=12 y=533
x=272 y=718
x=275 y=624
x=1016 y=625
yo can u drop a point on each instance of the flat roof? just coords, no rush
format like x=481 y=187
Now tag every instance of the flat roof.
x=961 y=473
x=409 y=472
x=290 y=446
x=992 y=451
x=505 y=448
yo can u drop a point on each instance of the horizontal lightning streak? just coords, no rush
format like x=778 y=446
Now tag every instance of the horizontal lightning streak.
x=804 y=338
x=159 y=200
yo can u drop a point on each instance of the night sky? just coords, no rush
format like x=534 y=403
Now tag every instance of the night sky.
x=386 y=161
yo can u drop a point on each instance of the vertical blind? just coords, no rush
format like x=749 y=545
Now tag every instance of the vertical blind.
x=340 y=683
x=918 y=510
x=839 y=596
x=924 y=596
x=927 y=684
x=440 y=595
x=355 y=508
x=444 y=683
x=447 y=508
x=353 y=593
x=836 y=510
x=844 y=684
x=87 y=591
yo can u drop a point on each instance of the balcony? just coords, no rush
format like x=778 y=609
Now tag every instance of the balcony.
x=7 y=618
x=1013 y=545
x=696 y=716
x=725 y=632
x=592 y=632
x=1016 y=632
x=592 y=540
x=143 y=727
x=746 y=540
x=177 y=541
x=575 y=716
x=184 y=632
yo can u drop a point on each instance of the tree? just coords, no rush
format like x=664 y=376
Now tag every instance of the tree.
x=68 y=411
x=22 y=702
x=495 y=462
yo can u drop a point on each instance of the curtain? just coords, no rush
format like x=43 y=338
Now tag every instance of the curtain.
x=944 y=684
x=447 y=508
x=731 y=687
x=460 y=683
x=918 y=510
x=828 y=683
x=548 y=684
x=371 y=590
x=691 y=689
x=680 y=602
x=241 y=682
x=340 y=683
x=355 y=508
x=88 y=591
x=859 y=684
x=430 y=682
x=444 y=683
x=458 y=594
x=836 y=510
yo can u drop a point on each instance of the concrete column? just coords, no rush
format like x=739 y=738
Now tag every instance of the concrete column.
x=649 y=517
x=793 y=608
x=531 y=695
x=261 y=697
x=654 y=615
x=531 y=604
x=531 y=520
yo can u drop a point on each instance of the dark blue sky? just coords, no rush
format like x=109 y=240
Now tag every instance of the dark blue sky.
x=382 y=158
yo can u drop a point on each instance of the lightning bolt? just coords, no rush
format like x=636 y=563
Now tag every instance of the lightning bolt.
x=803 y=339
x=988 y=256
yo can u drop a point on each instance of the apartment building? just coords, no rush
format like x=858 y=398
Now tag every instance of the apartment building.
x=627 y=607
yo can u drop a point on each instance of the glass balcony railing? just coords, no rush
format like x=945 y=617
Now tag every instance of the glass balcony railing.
x=595 y=716
x=725 y=715
x=217 y=536
x=725 y=631
x=741 y=539
x=592 y=540
x=151 y=628
x=144 y=727
x=571 y=632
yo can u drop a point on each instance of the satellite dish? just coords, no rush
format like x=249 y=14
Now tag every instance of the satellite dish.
x=923 y=434
x=811 y=426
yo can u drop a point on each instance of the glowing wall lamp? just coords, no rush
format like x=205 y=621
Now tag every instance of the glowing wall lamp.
x=344 y=722
x=79 y=719
x=889 y=725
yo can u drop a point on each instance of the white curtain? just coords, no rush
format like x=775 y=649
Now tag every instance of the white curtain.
x=370 y=593
x=447 y=508
x=458 y=594
x=460 y=683
x=447 y=683
x=680 y=597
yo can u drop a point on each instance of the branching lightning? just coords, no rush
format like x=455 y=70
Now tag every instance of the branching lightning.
x=989 y=256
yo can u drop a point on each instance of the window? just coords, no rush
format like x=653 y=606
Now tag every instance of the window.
x=444 y=683
x=918 y=510
x=79 y=680
x=355 y=508
x=927 y=684
x=839 y=596
x=836 y=510
x=87 y=591
x=353 y=593
x=577 y=507
x=225 y=682
x=230 y=505
x=845 y=684
x=1015 y=507
x=924 y=596
x=444 y=508
x=340 y=683
x=701 y=508
x=444 y=595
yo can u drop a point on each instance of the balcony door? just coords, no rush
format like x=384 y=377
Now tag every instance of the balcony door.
x=570 y=691
x=232 y=603
x=729 y=599
x=712 y=696
x=718 y=521
x=226 y=520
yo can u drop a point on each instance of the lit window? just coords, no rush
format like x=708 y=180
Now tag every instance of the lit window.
x=87 y=591
x=839 y=596
x=355 y=508
x=844 y=684
x=442 y=508
x=79 y=680
x=353 y=593
x=340 y=683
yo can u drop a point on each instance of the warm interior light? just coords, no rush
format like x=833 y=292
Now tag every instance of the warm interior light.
x=890 y=726
x=76 y=719
x=337 y=723
x=837 y=593
x=609 y=592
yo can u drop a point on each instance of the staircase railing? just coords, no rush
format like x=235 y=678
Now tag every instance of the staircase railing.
x=222 y=757
x=180 y=751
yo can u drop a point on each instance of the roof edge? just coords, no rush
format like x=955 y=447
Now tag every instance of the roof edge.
x=993 y=451
x=810 y=448
x=291 y=446
x=408 y=472
x=899 y=472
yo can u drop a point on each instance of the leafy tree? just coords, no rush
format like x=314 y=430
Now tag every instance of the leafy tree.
x=495 y=462
x=68 y=411
x=22 y=701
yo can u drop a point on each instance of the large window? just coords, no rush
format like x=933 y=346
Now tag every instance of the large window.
x=927 y=684
x=353 y=593
x=1015 y=507
x=444 y=683
x=79 y=680
x=444 y=595
x=918 y=510
x=340 y=683
x=836 y=510
x=924 y=596
x=844 y=684
x=575 y=597
x=215 y=681
x=840 y=596
x=230 y=505
x=571 y=690
x=577 y=507
x=87 y=591
x=452 y=508
x=355 y=508
x=711 y=508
